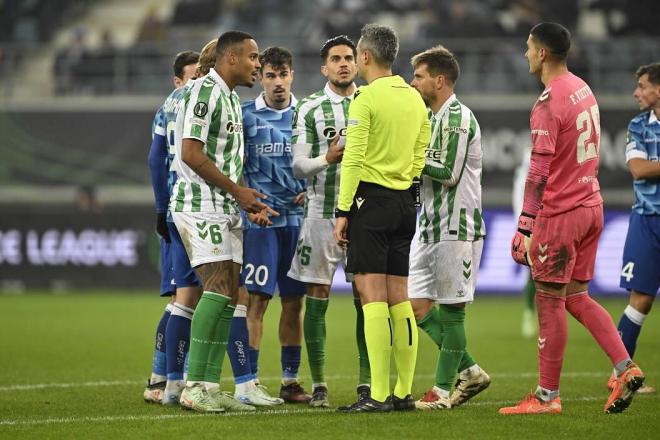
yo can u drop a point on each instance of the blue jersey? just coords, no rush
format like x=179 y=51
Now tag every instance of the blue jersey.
x=163 y=150
x=644 y=143
x=268 y=160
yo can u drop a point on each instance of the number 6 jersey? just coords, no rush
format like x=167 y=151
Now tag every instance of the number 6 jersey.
x=565 y=123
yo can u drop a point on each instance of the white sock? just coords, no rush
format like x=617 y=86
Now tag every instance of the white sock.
x=440 y=392
x=245 y=387
x=211 y=386
x=155 y=378
x=320 y=384
x=634 y=315
x=174 y=386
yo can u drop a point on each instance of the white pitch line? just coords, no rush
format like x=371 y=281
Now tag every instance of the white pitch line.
x=131 y=418
x=109 y=383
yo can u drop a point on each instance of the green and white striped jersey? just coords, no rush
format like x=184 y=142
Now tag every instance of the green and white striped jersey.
x=317 y=120
x=211 y=113
x=451 y=179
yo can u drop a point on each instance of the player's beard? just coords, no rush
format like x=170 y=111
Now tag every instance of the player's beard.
x=343 y=85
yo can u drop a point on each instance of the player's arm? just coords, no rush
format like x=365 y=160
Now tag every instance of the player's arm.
x=157 y=161
x=303 y=137
x=637 y=158
x=421 y=143
x=195 y=133
x=357 y=139
x=448 y=172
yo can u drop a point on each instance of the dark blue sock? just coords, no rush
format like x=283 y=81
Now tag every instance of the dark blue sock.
x=177 y=337
x=629 y=332
x=160 y=358
x=290 y=361
x=254 y=361
x=238 y=348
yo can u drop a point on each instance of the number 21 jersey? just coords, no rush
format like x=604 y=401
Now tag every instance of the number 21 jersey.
x=565 y=123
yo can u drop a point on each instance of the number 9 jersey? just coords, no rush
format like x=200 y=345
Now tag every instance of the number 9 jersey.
x=565 y=123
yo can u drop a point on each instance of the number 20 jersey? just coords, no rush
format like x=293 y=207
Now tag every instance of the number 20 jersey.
x=565 y=123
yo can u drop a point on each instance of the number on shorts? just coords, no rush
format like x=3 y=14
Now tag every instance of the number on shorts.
x=627 y=271
x=587 y=150
x=303 y=253
x=260 y=274
x=216 y=235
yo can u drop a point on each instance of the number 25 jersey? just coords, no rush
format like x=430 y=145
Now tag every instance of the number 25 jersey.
x=565 y=123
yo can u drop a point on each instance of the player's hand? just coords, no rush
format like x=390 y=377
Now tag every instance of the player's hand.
x=248 y=199
x=335 y=153
x=340 y=232
x=522 y=239
x=161 y=226
x=299 y=199
x=261 y=218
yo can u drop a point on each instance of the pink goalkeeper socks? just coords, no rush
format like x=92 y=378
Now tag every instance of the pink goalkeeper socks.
x=553 y=333
x=599 y=323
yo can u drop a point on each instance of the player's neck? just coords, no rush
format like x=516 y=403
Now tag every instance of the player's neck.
x=277 y=105
x=440 y=99
x=376 y=72
x=343 y=91
x=226 y=77
x=551 y=71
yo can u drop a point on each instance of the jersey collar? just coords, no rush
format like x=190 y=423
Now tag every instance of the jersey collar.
x=218 y=79
x=260 y=103
x=334 y=97
x=445 y=106
x=652 y=118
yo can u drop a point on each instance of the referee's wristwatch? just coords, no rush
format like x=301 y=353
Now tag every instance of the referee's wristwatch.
x=340 y=213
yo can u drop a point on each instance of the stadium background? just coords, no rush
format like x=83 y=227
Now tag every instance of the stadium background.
x=80 y=81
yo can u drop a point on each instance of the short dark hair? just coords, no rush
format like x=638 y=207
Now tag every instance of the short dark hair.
x=653 y=71
x=341 y=40
x=439 y=61
x=277 y=57
x=553 y=36
x=229 y=39
x=182 y=60
x=381 y=41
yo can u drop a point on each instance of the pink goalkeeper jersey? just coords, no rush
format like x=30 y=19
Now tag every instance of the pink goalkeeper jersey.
x=565 y=122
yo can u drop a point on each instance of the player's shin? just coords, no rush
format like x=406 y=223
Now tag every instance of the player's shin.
x=363 y=355
x=177 y=336
x=553 y=334
x=377 y=333
x=404 y=344
x=315 y=336
x=452 y=351
x=203 y=333
x=238 y=351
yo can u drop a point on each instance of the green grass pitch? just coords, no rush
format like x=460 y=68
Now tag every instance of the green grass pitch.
x=73 y=366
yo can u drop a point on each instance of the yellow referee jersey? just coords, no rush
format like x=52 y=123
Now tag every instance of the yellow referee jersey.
x=388 y=132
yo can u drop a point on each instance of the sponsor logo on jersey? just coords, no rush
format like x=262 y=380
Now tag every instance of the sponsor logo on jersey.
x=455 y=130
x=273 y=148
x=234 y=127
x=540 y=132
x=197 y=121
x=331 y=132
x=433 y=154
x=352 y=122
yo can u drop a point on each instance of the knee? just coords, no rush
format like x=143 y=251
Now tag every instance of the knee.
x=641 y=302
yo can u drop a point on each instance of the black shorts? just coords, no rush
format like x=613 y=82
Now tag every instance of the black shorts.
x=380 y=228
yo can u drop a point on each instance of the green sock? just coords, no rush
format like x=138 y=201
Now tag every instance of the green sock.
x=530 y=294
x=404 y=345
x=314 y=326
x=379 y=344
x=363 y=355
x=453 y=347
x=218 y=350
x=203 y=333
x=432 y=325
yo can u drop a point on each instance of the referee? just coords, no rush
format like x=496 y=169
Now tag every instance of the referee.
x=388 y=131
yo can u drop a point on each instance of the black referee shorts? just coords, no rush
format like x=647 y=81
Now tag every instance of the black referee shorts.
x=380 y=228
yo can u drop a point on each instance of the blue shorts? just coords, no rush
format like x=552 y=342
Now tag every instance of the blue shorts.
x=183 y=274
x=641 y=255
x=267 y=256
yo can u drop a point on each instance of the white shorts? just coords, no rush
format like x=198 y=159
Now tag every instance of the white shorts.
x=210 y=237
x=445 y=272
x=317 y=253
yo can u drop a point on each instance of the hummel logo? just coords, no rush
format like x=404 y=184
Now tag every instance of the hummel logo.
x=545 y=94
x=541 y=343
x=542 y=252
x=359 y=201
x=543 y=248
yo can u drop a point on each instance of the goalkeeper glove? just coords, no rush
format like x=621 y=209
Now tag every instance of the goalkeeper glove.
x=522 y=239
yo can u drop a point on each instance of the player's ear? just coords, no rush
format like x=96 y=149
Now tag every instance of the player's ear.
x=324 y=70
x=176 y=81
